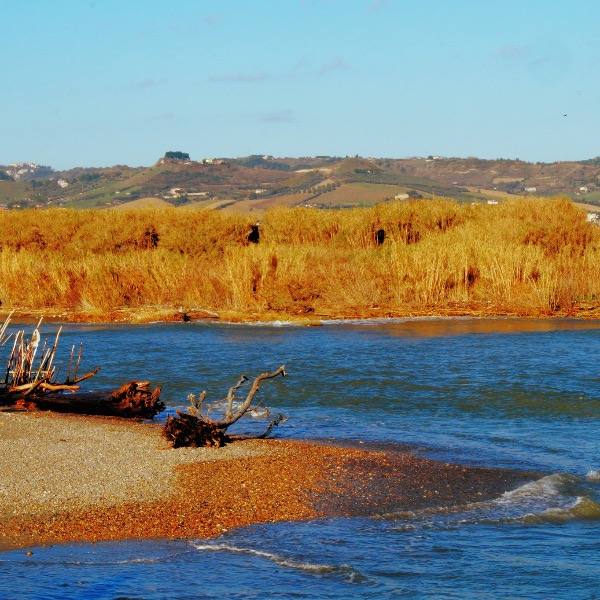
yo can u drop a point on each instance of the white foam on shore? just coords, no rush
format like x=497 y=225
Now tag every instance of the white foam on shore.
x=556 y=498
x=347 y=571
x=547 y=487
x=275 y=323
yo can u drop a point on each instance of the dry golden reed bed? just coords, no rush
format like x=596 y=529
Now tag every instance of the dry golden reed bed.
x=529 y=257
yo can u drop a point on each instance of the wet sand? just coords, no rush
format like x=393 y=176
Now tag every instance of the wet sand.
x=70 y=478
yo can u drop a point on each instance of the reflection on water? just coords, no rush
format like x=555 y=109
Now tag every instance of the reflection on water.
x=442 y=327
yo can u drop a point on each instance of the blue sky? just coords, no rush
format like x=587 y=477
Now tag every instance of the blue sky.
x=106 y=82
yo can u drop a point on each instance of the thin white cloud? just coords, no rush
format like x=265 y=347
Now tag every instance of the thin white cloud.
x=544 y=63
x=337 y=64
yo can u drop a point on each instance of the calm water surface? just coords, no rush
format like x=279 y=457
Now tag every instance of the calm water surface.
x=493 y=392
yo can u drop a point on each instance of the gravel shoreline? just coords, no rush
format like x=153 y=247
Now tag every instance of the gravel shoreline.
x=71 y=478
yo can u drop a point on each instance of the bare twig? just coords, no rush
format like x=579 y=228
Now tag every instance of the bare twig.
x=83 y=377
x=230 y=395
x=78 y=361
x=231 y=419
x=3 y=339
x=70 y=362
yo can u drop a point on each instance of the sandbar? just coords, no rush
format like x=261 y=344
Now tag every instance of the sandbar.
x=67 y=478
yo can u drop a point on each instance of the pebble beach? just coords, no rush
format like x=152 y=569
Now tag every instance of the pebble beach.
x=68 y=478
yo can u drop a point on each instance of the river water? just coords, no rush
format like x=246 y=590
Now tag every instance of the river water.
x=518 y=394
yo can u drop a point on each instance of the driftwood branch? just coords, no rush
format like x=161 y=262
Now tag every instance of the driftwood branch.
x=29 y=388
x=83 y=377
x=230 y=395
x=197 y=428
x=196 y=404
x=47 y=386
x=272 y=424
x=231 y=419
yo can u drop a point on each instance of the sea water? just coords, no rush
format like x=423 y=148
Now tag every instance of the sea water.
x=510 y=393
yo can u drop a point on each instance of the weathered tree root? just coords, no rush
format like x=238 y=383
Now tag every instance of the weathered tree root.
x=188 y=431
x=197 y=429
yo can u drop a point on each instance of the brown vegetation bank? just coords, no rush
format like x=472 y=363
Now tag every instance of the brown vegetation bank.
x=526 y=257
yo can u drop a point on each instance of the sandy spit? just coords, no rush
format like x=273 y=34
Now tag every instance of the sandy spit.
x=71 y=478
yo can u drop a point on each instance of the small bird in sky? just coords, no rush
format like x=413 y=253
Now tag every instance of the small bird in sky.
x=564 y=115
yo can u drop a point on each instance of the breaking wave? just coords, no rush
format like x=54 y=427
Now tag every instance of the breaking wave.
x=583 y=509
x=551 y=486
x=556 y=498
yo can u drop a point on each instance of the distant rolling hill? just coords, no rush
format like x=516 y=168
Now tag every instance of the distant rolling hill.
x=256 y=183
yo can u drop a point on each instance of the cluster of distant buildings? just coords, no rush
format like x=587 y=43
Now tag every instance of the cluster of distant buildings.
x=582 y=190
x=205 y=161
x=18 y=170
x=178 y=192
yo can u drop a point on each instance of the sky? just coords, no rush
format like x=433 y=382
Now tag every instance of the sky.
x=120 y=82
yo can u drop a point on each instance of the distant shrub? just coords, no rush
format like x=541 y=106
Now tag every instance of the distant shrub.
x=89 y=177
x=177 y=155
x=256 y=160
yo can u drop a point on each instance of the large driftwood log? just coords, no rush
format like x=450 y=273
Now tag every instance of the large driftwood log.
x=132 y=400
x=31 y=384
x=196 y=428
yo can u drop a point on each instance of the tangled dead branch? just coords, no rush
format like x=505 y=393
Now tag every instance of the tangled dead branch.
x=197 y=428
x=32 y=384
x=25 y=376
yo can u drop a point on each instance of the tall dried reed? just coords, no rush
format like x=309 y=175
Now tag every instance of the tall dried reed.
x=522 y=256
